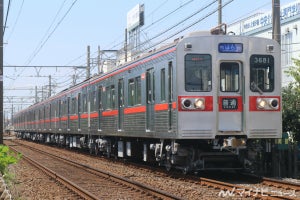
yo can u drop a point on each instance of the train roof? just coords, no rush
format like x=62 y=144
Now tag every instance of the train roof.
x=219 y=30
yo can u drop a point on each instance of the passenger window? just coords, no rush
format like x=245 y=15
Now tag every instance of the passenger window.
x=134 y=91
x=131 y=92
x=110 y=97
x=261 y=73
x=230 y=76
x=198 y=69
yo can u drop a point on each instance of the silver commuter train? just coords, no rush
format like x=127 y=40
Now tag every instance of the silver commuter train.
x=195 y=104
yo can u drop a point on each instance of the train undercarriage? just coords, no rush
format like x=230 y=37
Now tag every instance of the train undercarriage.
x=185 y=155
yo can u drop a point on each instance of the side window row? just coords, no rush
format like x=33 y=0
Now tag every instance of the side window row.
x=106 y=98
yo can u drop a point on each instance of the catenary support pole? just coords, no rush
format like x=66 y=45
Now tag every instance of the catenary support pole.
x=220 y=12
x=1 y=72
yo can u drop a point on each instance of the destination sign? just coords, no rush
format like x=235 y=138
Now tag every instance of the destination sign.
x=231 y=48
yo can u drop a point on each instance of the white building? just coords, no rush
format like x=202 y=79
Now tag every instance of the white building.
x=260 y=24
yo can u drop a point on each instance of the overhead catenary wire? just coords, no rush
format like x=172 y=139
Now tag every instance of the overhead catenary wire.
x=165 y=31
x=119 y=44
x=167 y=36
x=177 y=24
x=47 y=33
x=39 y=48
x=16 y=21
x=7 y=12
x=35 y=53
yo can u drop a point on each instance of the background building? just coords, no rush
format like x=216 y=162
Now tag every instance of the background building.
x=260 y=24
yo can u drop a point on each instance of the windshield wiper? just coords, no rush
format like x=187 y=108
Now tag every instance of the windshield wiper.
x=255 y=87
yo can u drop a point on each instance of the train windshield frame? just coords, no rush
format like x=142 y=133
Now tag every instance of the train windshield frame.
x=262 y=73
x=198 y=72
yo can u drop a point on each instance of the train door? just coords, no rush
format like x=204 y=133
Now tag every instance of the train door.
x=170 y=96
x=50 y=117
x=150 y=100
x=230 y=97
x=68 y=113
x=79 y=109
x=120 y=104
x=100 y=106
x=59 y=114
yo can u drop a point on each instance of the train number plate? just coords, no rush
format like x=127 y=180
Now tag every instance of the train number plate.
x=229 y=103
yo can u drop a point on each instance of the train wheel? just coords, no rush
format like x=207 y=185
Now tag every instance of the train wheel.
x=185 y=170
x=168 y=166
x=96 y=149
x=91 y=150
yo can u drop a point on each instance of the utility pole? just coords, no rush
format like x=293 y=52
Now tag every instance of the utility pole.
x=74 y=79
x=49 y=86
x=220 y=12
x=276 y=21
x=276 y=35
x=36 y=95
x=88 y=66
x=1 y=72
x=125 y=45
x=98 y=60
x=12 y=114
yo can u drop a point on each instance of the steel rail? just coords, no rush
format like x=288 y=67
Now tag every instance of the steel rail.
x=131 y=183
x=241 y=190
x=70 y=185
x=280 y=183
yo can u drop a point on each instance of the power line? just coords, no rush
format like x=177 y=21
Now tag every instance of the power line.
x=35 y=53
x=48 y=30
x=180 y=22
x=155 y=22
x=50 y=34
x=168 y=14
x=7 y=12
x=17 y=19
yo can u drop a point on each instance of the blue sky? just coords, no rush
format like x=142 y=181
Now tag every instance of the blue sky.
x=91 y=22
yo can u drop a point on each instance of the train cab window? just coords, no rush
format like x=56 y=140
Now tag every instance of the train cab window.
x=230 y=76
x=198 y=72
x=261 y=73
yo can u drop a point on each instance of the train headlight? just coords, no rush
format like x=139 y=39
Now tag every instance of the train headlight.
x=199 y=104
x=186 y=103
x=261 y=103
x=273 y=103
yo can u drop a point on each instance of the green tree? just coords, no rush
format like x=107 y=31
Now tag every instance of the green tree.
x=291 y=102
x=7 y=157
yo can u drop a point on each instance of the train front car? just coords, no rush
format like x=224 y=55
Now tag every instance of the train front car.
x=229 y=97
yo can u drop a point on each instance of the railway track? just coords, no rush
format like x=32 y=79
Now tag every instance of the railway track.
x=230 y=185
x=87 y=182
x=257 y=191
